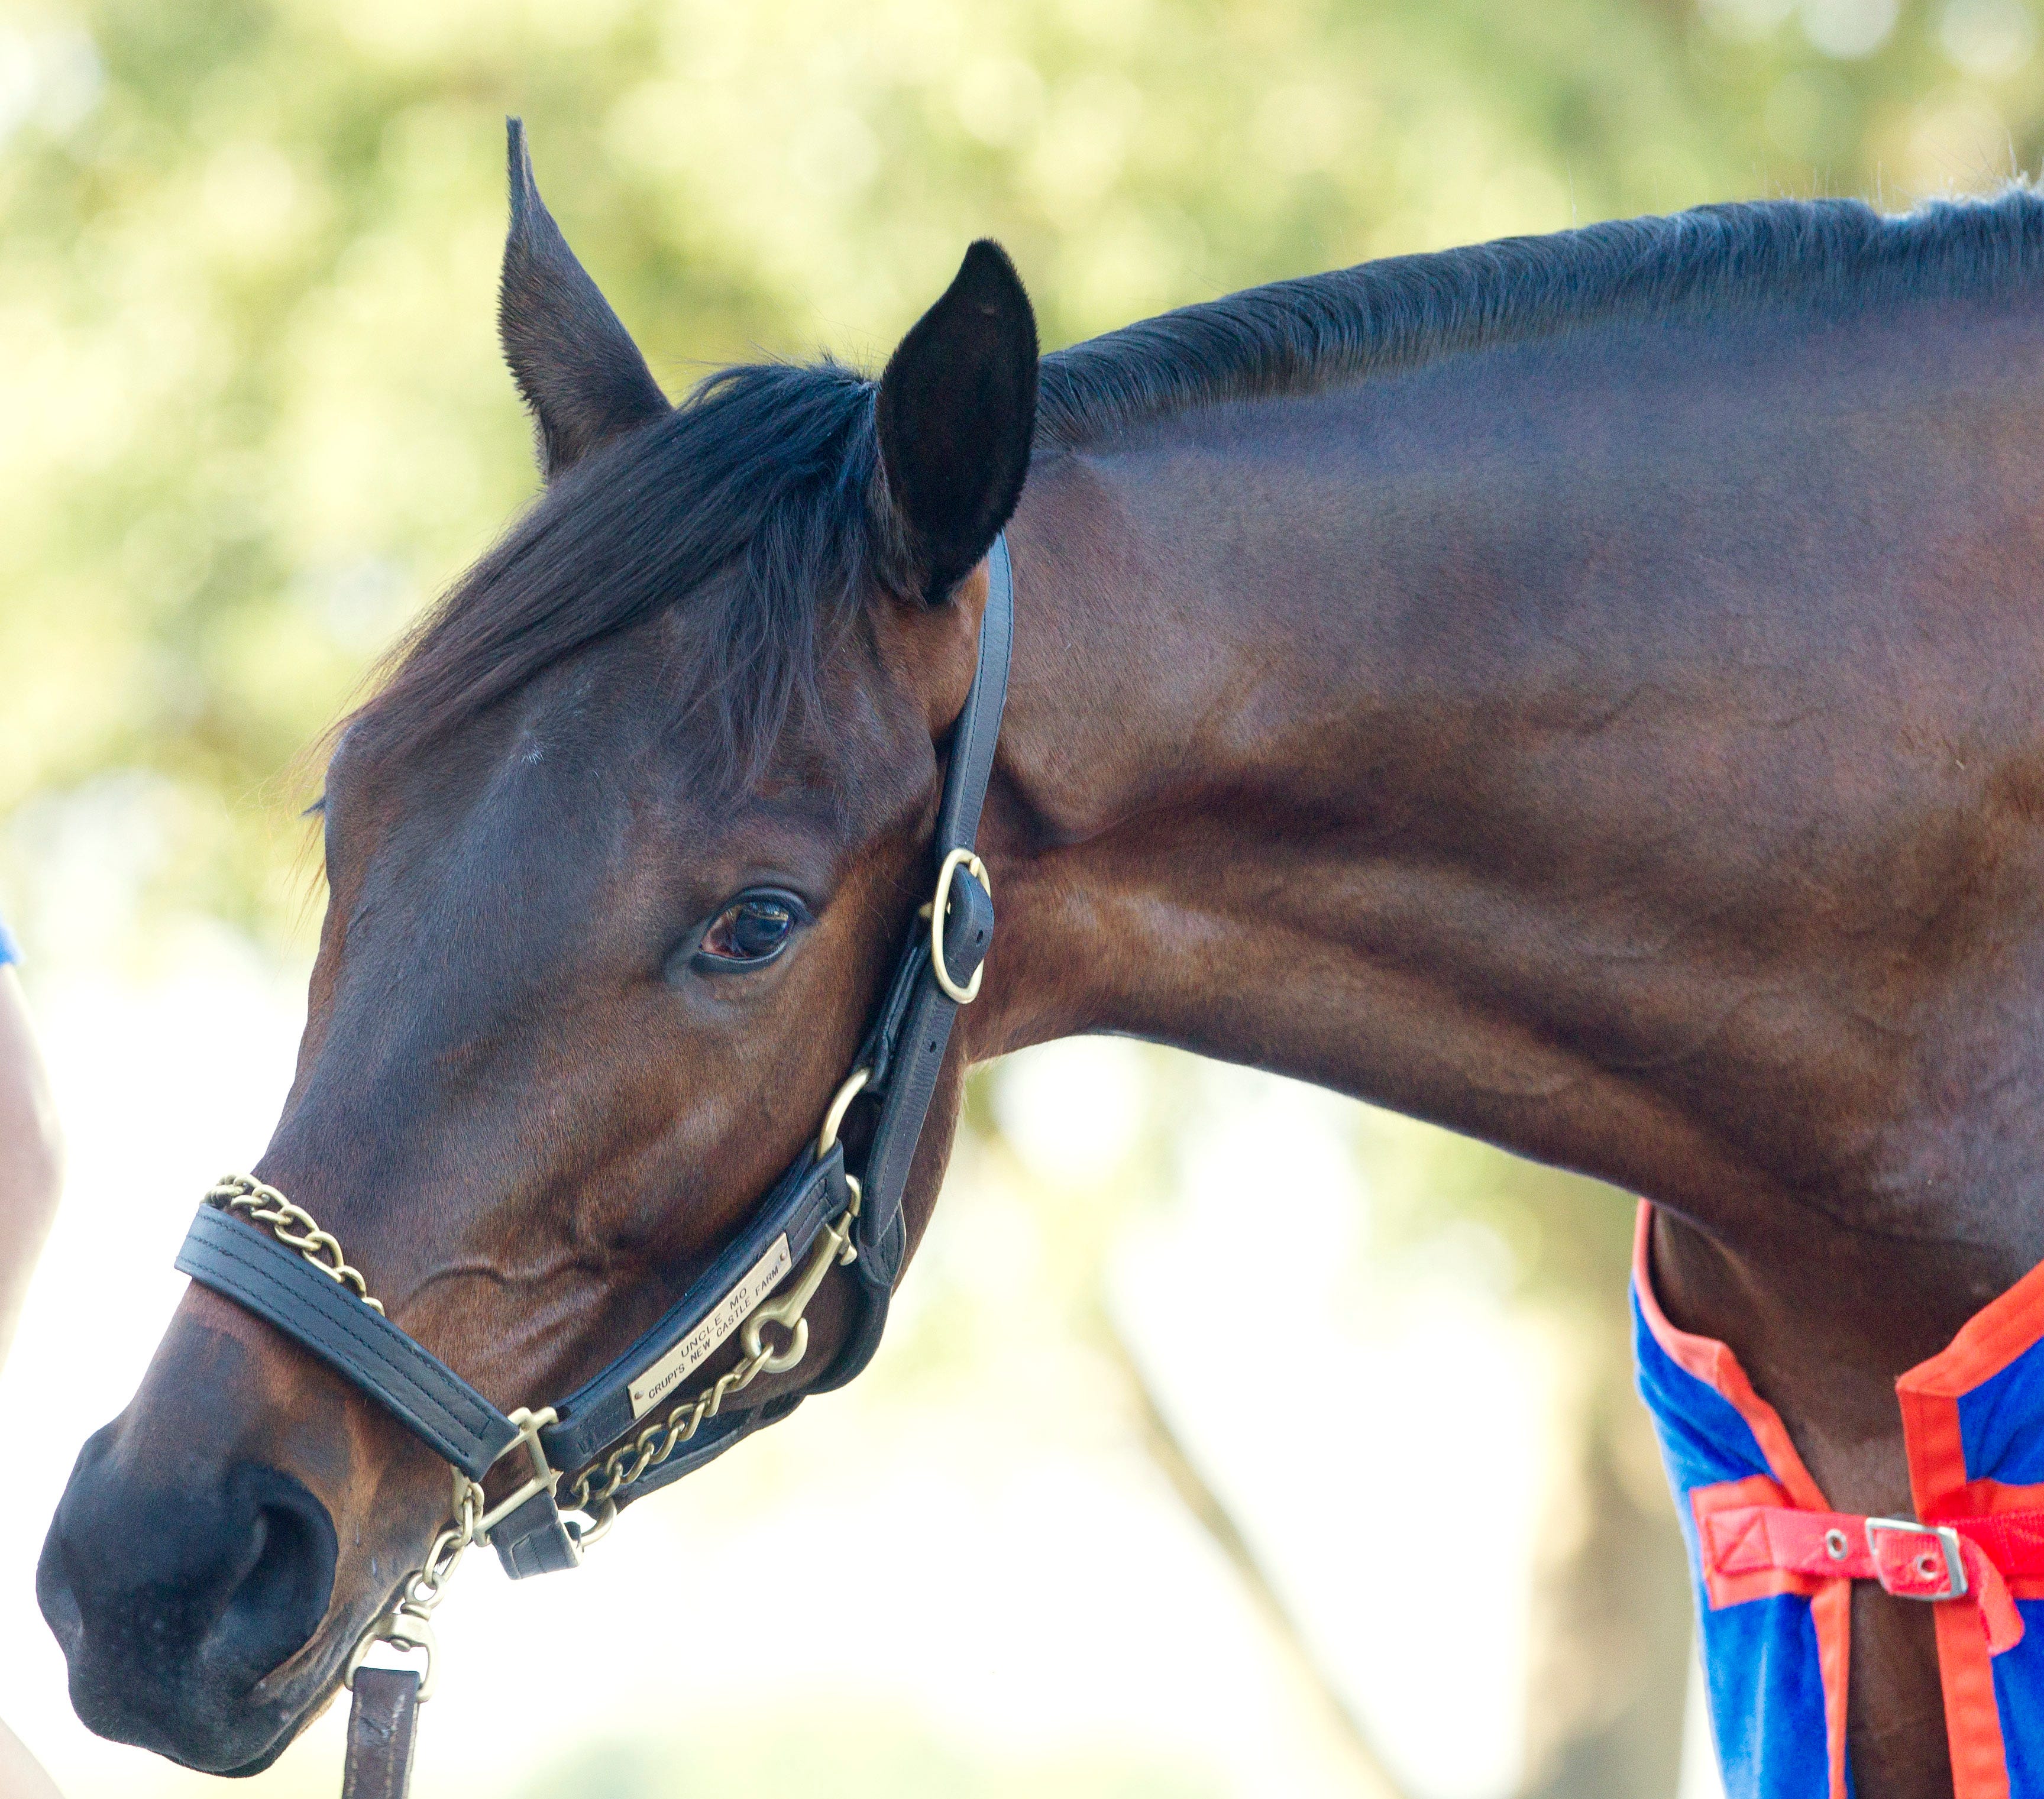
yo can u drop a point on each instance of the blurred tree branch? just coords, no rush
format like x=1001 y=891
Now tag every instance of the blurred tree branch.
x=1168 y=1453
x=1607 y=1676
x=1607 y=1685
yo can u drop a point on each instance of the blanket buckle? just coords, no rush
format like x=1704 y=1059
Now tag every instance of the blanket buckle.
x=1922 y=1569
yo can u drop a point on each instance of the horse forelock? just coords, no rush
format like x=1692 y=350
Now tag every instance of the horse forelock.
x=745 y=518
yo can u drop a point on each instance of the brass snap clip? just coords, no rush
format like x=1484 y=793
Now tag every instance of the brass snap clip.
x=402 y=1628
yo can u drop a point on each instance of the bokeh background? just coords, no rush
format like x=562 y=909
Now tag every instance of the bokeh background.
x=1412 y=1540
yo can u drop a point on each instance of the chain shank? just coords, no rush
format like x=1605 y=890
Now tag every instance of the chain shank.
x=293 y=1226
x=595 y=1490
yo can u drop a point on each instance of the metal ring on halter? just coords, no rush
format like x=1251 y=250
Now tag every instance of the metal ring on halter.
x=541 y=1477
x=598 y=1527
x=785 y=1309
x=855 y=1085
x=957 y=859
x=840 y=1103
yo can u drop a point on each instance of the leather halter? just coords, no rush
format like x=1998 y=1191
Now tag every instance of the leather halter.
x=818 y=1205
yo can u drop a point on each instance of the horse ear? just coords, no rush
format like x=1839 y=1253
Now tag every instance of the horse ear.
x=576 y=366
x=957 y=413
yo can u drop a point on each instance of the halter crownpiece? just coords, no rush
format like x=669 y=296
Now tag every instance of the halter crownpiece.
x=643 y=1421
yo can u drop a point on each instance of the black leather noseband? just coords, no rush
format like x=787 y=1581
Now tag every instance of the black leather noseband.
x=427 y=1397
x=902 y=1058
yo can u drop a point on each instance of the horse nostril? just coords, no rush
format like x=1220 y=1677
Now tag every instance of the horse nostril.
x=286 y=1574
x=149 y=1588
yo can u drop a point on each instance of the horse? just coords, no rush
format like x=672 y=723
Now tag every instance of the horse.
x=1586 y=691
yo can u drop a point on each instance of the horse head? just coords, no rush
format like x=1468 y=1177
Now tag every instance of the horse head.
x=617 y=860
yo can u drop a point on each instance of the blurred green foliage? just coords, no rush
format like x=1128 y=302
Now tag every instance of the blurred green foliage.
x=248 y=247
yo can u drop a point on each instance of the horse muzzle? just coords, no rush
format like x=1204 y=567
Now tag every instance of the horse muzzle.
x=221 y=1543
x=175 y=1594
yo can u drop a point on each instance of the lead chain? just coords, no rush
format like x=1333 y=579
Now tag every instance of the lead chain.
x=408 y=1621
x=423 y=1589
x=293 y=1226
x=657 y=1442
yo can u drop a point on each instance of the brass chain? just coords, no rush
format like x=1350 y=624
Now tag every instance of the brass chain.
x=595 y=1490
x=407 y=1623
x=657 y=1442
x=296 y=1228
x=293 y=1226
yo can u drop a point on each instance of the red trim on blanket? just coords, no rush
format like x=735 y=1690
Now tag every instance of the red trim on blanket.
x=1972 y=1718
x=1713 y=1363
x=1929 y=1395
x=1988 y=1342
x=1830 y=1602
x=1830 y=1611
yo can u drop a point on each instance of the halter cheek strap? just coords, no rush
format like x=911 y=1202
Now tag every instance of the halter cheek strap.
x=904 y=1051
x=253 y=1246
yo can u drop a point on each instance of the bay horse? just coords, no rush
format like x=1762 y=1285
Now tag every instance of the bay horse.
x=1586 y=691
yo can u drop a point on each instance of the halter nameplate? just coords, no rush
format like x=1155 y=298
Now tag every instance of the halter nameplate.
x=809 y=1196
x=714 y=1331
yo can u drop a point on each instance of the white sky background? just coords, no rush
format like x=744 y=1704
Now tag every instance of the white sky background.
x=971 y=1556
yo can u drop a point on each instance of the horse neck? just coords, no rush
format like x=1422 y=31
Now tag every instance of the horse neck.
x=1431 y=738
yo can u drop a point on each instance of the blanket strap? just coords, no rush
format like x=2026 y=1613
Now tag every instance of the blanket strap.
x=1963 y=1558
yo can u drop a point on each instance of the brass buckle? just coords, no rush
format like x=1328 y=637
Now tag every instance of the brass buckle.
x=544 y=1478
x=1948 y=1541
x=957 y=859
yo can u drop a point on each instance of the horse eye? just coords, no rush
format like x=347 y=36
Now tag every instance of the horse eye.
x=749 y=932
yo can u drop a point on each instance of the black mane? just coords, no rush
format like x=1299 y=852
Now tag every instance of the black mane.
x=1294 y=337
x=769 y=472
